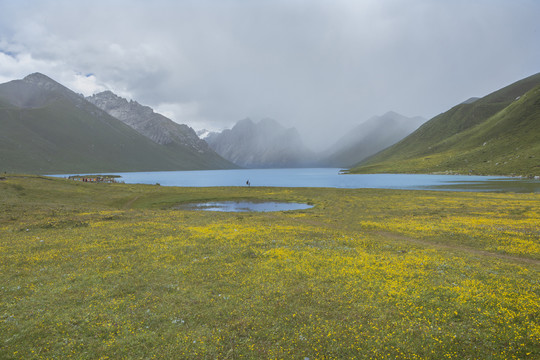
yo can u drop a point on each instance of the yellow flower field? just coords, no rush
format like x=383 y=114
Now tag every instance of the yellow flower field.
x=109 y=271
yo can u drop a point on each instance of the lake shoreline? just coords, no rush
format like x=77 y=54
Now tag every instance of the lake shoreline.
x=327 y=178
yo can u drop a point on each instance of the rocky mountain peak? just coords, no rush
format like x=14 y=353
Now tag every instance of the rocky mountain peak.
x=144 y=120
x=46 y=83
x=39 y=78
x=130 y=112
x=246 y=123
x=107 y=94
x=107 y=99
x=37 y=90
x=261 y=145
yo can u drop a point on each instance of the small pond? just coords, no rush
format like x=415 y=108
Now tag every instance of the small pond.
x=244 y=206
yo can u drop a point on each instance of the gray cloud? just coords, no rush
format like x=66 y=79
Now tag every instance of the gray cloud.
x=322 y=66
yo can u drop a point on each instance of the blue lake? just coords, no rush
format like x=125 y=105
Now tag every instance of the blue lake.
x=328 y=177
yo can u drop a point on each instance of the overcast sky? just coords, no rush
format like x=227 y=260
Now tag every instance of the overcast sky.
x=321 y=66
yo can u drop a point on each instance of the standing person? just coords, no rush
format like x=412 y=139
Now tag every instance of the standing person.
x=247 y=183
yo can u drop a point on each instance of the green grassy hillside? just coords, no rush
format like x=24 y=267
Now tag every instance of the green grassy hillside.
x=498 y=134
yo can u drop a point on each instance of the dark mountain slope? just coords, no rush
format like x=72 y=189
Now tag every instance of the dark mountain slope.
x=47 y=128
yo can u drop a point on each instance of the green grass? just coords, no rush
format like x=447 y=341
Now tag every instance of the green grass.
x=496 y=135
x=97 y=271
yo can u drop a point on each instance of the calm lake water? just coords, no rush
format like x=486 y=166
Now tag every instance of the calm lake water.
x=325 y=177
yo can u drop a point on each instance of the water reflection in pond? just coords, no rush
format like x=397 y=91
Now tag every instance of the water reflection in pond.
x=244 y=206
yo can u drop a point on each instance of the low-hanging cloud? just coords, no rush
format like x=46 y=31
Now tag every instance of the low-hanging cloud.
x=322 y=66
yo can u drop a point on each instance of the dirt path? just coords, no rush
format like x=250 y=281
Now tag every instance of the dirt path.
x=130 y=202
x=431 y=244
x=456 y=247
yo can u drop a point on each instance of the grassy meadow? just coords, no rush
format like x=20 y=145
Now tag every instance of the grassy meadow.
x=112 y=271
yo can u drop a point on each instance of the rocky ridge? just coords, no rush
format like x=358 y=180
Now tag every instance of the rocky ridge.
x=144 y=120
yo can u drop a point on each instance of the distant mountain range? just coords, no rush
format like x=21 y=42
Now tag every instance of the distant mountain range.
x=47 y=128
x=266 y=144
x=369 y=138
x=496 y=134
